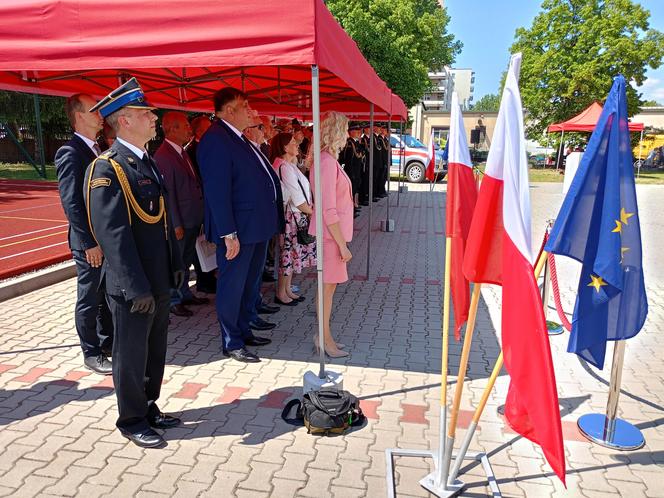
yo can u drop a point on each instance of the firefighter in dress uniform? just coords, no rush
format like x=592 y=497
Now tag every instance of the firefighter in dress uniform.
x=127 y=212
x=352 y=157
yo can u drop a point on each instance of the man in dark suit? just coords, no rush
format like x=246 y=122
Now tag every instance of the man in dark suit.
x=240 y=217
x=352 y=157
x=185 y=200
x=92 y=316
x=255 y=132
x=206 y=281
x=128 y=215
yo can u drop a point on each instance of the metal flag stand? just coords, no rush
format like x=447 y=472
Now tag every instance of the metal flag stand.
x=553 y=328
x=608 y=430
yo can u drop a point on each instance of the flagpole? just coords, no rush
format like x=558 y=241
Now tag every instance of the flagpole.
x=553 y=328
x=608 y=430
x=463 y=367
x=487 y=391
x=441 y=478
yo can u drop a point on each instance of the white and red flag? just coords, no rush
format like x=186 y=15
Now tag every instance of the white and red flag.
x=461 y=198
x=499 y=251
x=430 y=173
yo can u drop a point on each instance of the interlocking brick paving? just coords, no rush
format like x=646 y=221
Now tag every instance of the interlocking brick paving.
x=57 y=435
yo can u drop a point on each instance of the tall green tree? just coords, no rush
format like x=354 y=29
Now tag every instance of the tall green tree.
x=572 y=51
x=488 y=103
x=402 y=39
x=18 y=111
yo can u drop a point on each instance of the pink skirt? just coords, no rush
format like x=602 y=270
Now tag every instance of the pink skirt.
x=335 y=271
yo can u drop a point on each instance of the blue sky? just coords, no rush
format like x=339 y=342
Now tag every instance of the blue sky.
x=487 y=31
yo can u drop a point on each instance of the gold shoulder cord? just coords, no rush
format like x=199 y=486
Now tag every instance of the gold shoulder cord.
x=130 y=200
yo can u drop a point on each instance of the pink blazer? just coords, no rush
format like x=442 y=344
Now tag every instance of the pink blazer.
x=337 y=198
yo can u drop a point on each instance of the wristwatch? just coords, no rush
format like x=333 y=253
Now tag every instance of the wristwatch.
x=232 y=236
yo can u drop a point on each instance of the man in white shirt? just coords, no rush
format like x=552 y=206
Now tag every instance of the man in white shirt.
x=185 y=198
x=92 y=316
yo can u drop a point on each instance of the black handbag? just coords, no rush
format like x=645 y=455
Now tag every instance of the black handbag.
x=302 y=222
x=327 y=411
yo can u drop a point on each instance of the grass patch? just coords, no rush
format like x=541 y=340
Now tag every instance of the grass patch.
x=25 y=171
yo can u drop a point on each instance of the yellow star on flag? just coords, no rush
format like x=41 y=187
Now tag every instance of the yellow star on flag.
x=597 y=282
x=618 y=227
x=624 y=216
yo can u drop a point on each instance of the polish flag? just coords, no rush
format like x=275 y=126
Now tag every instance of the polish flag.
x=430 y=173
x=499 y=251
x=461 y=198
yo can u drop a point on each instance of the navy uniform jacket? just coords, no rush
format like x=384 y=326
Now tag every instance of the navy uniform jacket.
x=185 y=196
x=239 y=193
x=139 y=257
x=71 y=160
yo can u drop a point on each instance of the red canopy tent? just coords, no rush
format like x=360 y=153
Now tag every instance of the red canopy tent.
x=182 y=55
x=290 y=57
x=586 y=121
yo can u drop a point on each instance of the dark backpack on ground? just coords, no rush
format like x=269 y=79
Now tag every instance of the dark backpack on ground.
x=327 y=411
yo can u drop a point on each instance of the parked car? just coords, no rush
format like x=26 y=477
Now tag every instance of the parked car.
x=414 y=158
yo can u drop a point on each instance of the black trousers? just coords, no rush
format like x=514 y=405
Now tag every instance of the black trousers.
x=91 y=314
x=139 y=356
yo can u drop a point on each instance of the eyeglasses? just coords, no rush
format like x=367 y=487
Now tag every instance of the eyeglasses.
x=259 y=126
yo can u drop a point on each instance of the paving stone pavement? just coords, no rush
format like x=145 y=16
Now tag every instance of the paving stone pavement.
x=57 y=434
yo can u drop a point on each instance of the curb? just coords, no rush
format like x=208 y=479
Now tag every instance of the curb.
x=37 y=280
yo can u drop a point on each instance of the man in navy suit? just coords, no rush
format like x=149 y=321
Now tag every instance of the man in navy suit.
x=92 y=316
x=240 y=217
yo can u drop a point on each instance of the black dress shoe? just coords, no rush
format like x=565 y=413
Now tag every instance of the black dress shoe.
x=257 y=341
x=206 y=290
x=163 y=421
x=283 y=303
x=147 y=438
x=299 y=299
x=260 y=324
x=267 y=309
x=243 y=356
x=180 y=310
x=98 y=364
x=195 y=301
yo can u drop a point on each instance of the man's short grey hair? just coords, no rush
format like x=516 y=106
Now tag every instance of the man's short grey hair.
x=112 y=119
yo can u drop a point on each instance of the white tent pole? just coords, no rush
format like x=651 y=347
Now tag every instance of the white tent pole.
x=389 y=169
x=319 y=213
x=371 y=171
x=401 y=152
x=560 y=150
x=638 y=173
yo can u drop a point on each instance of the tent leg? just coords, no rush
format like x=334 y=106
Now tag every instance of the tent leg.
x=388 y=225
x=638 y=173
x=371 y=172
x=319 y=215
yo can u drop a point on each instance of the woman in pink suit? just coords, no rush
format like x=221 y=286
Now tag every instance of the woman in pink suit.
x=337 y=209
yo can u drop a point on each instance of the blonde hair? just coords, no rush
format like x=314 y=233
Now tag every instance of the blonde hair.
x=333 y=132
x=333 y=135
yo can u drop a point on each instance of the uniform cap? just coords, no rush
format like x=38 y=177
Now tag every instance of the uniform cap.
x=129 y=94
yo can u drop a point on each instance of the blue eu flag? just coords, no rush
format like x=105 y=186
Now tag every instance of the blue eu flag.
x=598 y=225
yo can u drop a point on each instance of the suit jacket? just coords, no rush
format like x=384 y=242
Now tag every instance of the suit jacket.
x=337 y=198
x=71 y=160
x=239 y=192
x=185 y=195
x=139 y=257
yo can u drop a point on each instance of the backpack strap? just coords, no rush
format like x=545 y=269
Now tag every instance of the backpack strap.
x=299 y=416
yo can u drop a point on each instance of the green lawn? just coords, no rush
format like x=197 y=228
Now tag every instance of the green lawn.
x=25 y=171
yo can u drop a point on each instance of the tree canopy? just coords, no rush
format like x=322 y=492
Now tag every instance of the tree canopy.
x=488 y=103
x=402 y=39
x=651 y=103
x=572 y=51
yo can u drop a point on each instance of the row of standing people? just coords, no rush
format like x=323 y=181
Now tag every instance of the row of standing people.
x=130 y=231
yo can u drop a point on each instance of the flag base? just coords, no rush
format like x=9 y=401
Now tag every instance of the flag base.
x=387 y=225
x=617 y=434
x=332 y=380
x=429 y=482
x=554 y=328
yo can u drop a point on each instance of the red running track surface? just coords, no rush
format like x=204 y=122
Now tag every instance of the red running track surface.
x=33 y=227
